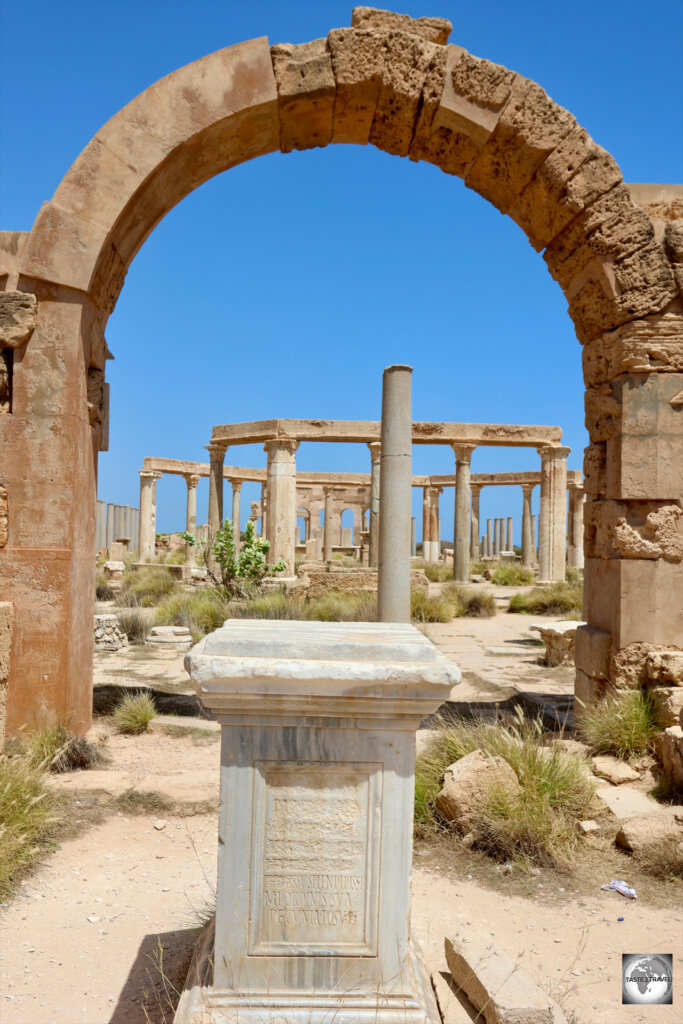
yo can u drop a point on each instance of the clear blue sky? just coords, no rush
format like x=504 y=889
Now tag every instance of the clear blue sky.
x=283 y=287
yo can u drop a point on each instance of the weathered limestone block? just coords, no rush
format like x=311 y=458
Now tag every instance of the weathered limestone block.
x=635 y=530
x=559 y=638
x=615 y=771
x=666 y=666
x=6 y=622
x=645 y=455
x=435 y=138
x=170 y=638
x=434 y=30
x=587 y=691
x=669 y=703
x=113 y=572
x=669 y=750
x=595 y=470
x=4 y=517
x=654 y=344
x=306 y=91
x=603 y=412
x=95 y=386
x=357 y=61
x=108 y=633
x=635 y=599
x=496 y=985
x=18 y=315
x=629 y=665
x=572 y=177
x=319 y=581
x=528 y=129
x=408 y=62
x=638 y=833
x=467 y=783
x=592 y=651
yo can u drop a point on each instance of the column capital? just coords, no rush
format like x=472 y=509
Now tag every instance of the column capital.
x=550 y=451
x=191 y=479
x=477 y=488
x=573 y=486
x=463 y=452
x=150 y=474
x=527 y=488
x=374 y=447
x=236 y=485
x=286 y=444
x=216 y=450
x=328 y=489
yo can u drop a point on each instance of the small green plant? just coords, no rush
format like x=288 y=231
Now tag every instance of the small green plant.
x=145 y=587
x=55 y=749
x=557 y=599
x=623 y=724
x=27 y=818
x=238 y=573
x=134 y=622
x=201 y=612
x=133 y=713
x=512 y=575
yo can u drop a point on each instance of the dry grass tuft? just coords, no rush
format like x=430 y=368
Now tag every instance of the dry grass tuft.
x=470 y=603
x=538 y=824
x=662 y=858
x=133 y=713
x=132 y=802
x=55 y=749
x=556 y=599
x=27 y=818
x=436 y=572
x=512 y=575
x=134 y=623
x=623 y=724
x=146 y=587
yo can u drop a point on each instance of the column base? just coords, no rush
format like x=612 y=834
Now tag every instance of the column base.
x=202 y=1003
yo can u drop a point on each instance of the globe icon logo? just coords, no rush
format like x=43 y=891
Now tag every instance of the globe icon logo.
x=647 y=978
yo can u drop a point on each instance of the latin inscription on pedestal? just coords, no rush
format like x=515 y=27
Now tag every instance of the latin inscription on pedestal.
x=315 y=859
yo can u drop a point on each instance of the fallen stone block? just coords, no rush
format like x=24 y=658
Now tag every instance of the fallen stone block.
x=669 y=750
x=665 y=667
x=559 y=638
x=588 y=828
x=498 y=987
x=669 y=703
x=454 y=1007
x=614 y=770
x=638 y=833
x=467 y=783
x=625 y=802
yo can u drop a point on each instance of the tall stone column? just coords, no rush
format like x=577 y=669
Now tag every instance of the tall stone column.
x=461 y=533
x=413 y=537
x=236 y=489
x=528 y=543
x=575 y=546
x=148 y=514
x=217 y=458
x=534 y=534
x=393 y=584
x=191 y=479
x=489 y=538
x=327 y=525
x=374 y=447
x=553 y=528
x=426 y=524
x=281 y=479
x=264 y=510
x=510 y=536
x=474 y=528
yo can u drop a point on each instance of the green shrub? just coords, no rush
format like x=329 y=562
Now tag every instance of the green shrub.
x=27 y=818
x=537 y=824
x=103 y=591
x=470 y=603
x=436 y=572
x=134 y=623
x=201 y=612
x=623 y=724
x=176 y=557
x=56 y=750
x=512 y=575
x=556 y=599
x=133 y=713
x=146 y=587
x=430 y=609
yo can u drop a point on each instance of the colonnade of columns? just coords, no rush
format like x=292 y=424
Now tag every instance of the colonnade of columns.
x=114 y=522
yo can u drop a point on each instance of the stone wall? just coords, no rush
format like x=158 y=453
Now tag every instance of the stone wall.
x=321 y=582
x=6 y=616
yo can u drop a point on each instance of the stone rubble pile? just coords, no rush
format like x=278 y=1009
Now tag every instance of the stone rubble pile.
x=108 y=634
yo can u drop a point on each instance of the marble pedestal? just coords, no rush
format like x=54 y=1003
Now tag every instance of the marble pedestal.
x=315 y=832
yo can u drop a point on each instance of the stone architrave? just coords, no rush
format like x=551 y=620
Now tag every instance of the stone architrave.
x=374 y=447
x=148 y=514
x=317 y=786
x=236 y=517
x=553 y=511
x=191 y=479
x=475 y=490
x=281 y=483
x=393 y=584
x=575 y=529
x=217 y=459
x=527 y=537
x=461 y=542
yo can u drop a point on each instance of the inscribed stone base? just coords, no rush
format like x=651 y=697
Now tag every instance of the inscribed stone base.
x=203 y=1003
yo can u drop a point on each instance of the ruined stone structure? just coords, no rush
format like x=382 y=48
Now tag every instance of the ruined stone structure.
x=115 y=522
x=394 y=83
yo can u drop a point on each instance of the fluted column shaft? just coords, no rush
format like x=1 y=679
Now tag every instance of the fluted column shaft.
x=393 y=584
x=236 y=490
x=553 y=513
x=461 y=533
x=474 y=527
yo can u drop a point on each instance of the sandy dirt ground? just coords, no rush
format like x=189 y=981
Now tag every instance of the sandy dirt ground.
x=80 y=942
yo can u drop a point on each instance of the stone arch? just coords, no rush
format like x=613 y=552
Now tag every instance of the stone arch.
x=396 y=83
